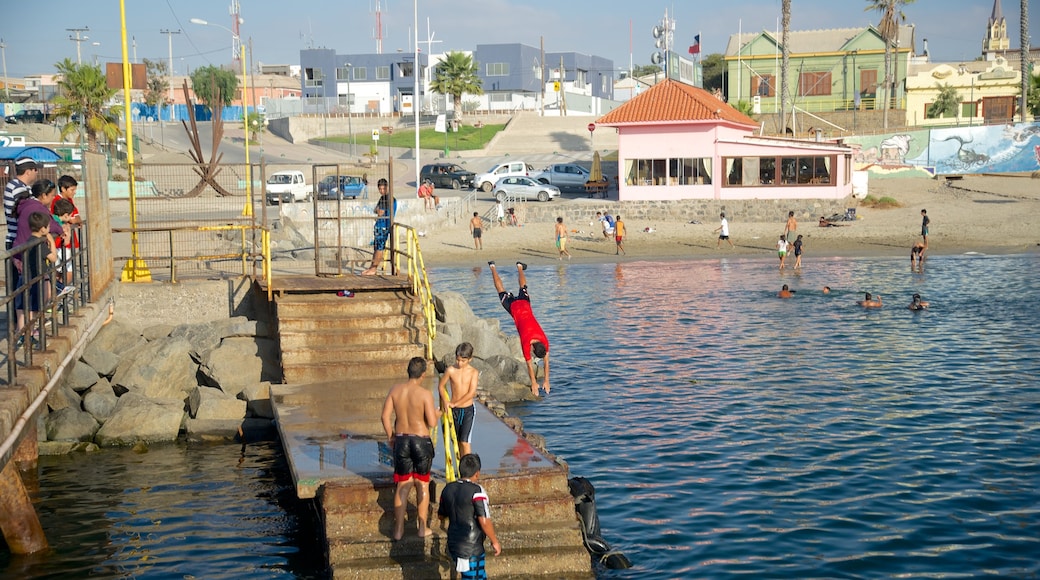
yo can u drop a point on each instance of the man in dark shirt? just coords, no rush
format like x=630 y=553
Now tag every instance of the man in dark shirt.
x=465 y=504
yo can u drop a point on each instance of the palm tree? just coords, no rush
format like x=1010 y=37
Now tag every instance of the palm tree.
x=84 y=95
x=889 y=30
x=785 y=92
x=455 y=75
x=1024 y=28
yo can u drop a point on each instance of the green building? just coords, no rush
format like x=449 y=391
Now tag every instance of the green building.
x=828 y=70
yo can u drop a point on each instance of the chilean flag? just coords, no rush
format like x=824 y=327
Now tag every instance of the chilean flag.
x=696 y=47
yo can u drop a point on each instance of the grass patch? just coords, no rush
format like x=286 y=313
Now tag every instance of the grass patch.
x=880 y=202
x=467 y=138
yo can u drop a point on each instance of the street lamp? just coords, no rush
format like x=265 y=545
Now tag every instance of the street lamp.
x=234 y=37
x=350 y=122
x=95 y=52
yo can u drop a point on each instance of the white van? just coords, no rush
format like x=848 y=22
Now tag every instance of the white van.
x=486 y=181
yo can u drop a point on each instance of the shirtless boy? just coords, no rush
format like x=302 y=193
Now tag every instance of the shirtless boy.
x=408 y=415
x=532 y=339
x=475 y=228
x=870 y=302
x=463 y=379
x=561 y=238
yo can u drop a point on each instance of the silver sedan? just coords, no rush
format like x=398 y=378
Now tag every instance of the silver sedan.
x=524 y=187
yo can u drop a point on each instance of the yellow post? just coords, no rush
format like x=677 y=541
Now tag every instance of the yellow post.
x=135 y=270
x=248 y=210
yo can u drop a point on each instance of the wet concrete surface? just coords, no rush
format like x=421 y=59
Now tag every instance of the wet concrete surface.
x=332 y=432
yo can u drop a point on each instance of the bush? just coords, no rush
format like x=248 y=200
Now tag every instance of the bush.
x=880 y=203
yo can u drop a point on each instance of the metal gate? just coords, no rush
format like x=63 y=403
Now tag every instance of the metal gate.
x=344 y=202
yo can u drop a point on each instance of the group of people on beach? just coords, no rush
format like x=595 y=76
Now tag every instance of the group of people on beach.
x=409 y=416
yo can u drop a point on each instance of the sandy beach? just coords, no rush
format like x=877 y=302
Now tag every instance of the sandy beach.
x=981 y=214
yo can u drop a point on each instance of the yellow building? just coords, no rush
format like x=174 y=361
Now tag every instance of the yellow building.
x=987 y=90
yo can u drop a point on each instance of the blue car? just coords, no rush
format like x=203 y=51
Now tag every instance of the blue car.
x=340 y=187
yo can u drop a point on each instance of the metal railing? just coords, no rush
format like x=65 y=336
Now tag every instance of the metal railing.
x=38 y=303
x=417 y=277
x=253 y=245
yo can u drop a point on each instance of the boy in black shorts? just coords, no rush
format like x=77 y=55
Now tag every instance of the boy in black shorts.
x=463 y=379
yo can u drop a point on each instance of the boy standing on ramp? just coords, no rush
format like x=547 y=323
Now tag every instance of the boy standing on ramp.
x=532 y=338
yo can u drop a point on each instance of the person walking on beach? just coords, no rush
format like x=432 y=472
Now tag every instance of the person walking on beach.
x=561 y=238
x=532 y=339
x=781 y=250
x=475 y=225
x=465 y=505
x=463 y=378
x=408 y=416
x=619 y=235
x=723 y=230
x=925 y=222
x=792 y=225
x=798 y=252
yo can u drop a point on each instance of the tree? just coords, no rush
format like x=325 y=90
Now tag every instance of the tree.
x=83 y=97
x=457 y=75
x=785 y=90
x=889 y=30
x=744 y=107
x=211 y=83
x=1033 y=102
x=257 y=124
x=714 y=68
x=645 y=69
x=945 y=104
x=158 y=82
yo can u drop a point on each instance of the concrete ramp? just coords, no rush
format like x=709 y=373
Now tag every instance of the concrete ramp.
x=529 y=133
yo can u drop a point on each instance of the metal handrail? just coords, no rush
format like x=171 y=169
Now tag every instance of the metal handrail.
x=246 y=254
x=418 y=278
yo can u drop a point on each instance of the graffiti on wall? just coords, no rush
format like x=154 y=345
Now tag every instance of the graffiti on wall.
x=952 y=150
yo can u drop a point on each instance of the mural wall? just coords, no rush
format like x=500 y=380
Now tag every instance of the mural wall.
x=950 y=150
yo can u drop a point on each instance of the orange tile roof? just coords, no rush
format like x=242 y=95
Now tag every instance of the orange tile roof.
x=674 y=102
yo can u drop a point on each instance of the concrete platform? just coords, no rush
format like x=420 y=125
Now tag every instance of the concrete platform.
x=331 y=433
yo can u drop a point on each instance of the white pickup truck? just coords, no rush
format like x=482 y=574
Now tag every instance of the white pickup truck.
x=287 y=187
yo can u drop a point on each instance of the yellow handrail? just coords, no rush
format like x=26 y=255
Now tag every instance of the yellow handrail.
x=419 y=280
x=451 y=440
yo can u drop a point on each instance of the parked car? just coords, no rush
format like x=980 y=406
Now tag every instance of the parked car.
x=27 y=116
x=525 y=187
x=564 y=175
x=487 y=181
x=287 y=187
x=340 y=187
x=447 y=175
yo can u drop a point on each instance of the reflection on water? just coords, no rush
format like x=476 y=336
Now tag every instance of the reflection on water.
x=728 y=432
x=731 y=433
x=184 y=511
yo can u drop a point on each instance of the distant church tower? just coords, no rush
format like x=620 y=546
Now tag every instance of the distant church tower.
x=996 y=41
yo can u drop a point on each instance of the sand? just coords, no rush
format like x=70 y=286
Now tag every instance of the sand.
x=980 y=214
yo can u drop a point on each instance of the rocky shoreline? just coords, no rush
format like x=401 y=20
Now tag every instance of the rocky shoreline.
x=210 y=380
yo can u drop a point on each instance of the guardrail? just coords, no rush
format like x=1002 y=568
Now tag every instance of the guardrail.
x=247 y=255
x=38 y=305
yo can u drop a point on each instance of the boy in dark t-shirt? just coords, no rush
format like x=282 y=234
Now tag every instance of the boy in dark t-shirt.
x=465 y=504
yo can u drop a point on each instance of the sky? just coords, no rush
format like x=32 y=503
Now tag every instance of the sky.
x=616 y=29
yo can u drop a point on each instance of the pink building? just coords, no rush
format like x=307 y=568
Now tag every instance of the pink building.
x=676 y=141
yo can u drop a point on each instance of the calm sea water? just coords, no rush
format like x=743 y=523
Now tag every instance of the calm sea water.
x=728 y=433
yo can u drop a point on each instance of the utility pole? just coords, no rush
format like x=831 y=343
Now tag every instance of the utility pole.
x=7 y=90
x=78 y=39
x=133 y=39
x=169 y=41
x=563 y=93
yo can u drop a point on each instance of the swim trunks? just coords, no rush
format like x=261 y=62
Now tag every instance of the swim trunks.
x=464 y=422
x=476 y=233
x=413 y=458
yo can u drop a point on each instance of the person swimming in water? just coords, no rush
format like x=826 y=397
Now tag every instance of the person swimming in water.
x=785 y=292
x=917 y=304
x=870 y=302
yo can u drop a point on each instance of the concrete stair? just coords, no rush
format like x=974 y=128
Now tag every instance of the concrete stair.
x=530 y=133
x=326 y=337
x=533 y=514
